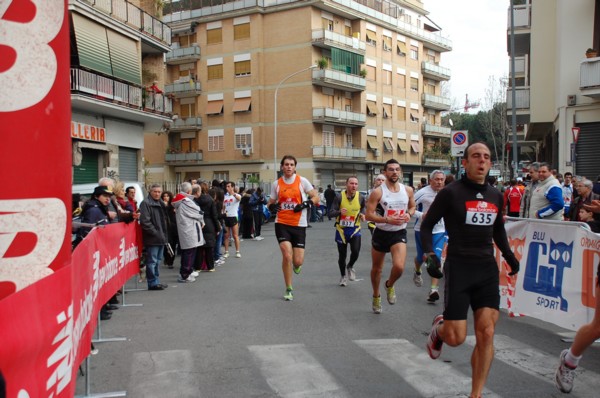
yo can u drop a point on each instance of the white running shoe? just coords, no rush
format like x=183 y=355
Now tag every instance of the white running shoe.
x=434 y=343
x=351 y=274
x=344 y=281
x=195 y=274
x=565 y=375
x=226 y=255
x=238 y=254
x=417 y=279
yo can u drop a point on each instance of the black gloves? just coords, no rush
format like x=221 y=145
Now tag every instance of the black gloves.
x=274 y=208
x=304 y=205
x=513 y=263
x=434 y=266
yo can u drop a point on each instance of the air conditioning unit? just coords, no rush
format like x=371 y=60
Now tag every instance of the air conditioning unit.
x=247 y=151
x=571 y=100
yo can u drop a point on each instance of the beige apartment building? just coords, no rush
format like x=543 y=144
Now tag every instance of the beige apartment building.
x=557 y=87
x=357 y=83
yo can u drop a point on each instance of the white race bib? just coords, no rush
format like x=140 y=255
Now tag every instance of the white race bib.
x=480 y=213
x=347 y=221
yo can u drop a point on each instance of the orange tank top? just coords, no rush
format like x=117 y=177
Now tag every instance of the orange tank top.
x=289 y=196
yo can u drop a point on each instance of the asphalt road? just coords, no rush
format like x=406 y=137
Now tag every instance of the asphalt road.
x=231 y=334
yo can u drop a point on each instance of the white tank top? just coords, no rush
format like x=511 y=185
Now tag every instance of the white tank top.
x=393 y=203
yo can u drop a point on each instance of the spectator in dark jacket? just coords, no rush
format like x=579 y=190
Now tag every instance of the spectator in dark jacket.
x=153 y=220
x=329 y=198
x=247 y=216
x=167 y=198
x=212 y=227
x=257 y=201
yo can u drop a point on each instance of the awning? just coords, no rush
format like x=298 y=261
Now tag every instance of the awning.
x=371 y=36
x=371 y=108
x=402 y=47
x=402 y=146
x=242 y=104
x=373 y=143
x=125 y=57
x=387 y=111
x=415 y=147
x=387 y=142
x=92 y=46
x=214 y=108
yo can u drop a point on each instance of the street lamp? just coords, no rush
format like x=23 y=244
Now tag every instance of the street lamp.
x=275 y=116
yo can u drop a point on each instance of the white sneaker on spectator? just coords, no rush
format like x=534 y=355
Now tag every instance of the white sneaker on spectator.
x=195 y=274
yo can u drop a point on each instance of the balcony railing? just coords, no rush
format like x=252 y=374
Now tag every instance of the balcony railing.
x=338 y=79
x=339 y=117
x=436 y=102
x=184 y=158
x=338 y=152
x=114 y=91
x=520 y=65
x=181 y=90
x=182 y=55
x=589 y=73
x=332 y=39
x=522 y=16
x=133 y=16
x=521 y=98
x=432 y=70
x=437 y=131
x=186 y=123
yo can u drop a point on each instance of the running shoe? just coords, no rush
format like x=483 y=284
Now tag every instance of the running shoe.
x=297 y=270
x=189 y=279
x=238 y=255
x=219 y=262
x=289 y=295
x=434 y=343
x=351 y=274
x=564 y=376
x=195 y=274
x=377 y=305
x=259 y=238
x=226 y=255
x=391 y=294
x=417 y=279
x=434 y=296
x=344 y=281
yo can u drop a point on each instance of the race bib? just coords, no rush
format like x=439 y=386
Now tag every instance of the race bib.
x=480 y=213
x=347 y=221
x=289 y=205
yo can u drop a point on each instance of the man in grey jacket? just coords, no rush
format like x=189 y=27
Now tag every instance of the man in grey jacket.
x=153 y=220
x=189 y=228
x=526 y=198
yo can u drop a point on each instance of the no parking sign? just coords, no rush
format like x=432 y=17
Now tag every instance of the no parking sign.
x=459 y=142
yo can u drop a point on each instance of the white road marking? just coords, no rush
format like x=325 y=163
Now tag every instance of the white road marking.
x=293 y=372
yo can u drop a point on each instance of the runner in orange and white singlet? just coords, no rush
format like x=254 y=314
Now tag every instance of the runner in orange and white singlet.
x=291 y=198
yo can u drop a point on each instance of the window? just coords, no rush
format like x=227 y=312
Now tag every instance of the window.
x=216 y=140
x=371 y=73
x=348 y=30
x=348 y=139
x=414 y=119
x=327 y=24
x=414 y=52
x=243 y=137
x=430 y=88
x=247 y=177
x=401 y=81
x=242 y=104
x=387 y=111
x=214 y=108
x=387 y=77
x=241 y=31
x=401 y=49
x=402 y=113
x=348 y=104
x=214 y=36
x=188 y=145
x=221 y=175
x=214 y=72
x=371 y=108
x=328 y=138
x=387 y=43
x=431 y=118
x=371 y=38
x=414 y=84
x=242 y=68
x=388 y=146
x=187 y=110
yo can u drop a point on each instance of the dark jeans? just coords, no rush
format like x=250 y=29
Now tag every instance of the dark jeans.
x=205 y=254
x=258 y=217
x=188 y=256
x=219 y=243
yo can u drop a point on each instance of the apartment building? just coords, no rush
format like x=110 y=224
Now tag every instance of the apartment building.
x=112 y=43
x=374 y=94
x=557 y=88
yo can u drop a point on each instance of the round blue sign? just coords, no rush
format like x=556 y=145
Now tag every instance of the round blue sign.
x=459 y=138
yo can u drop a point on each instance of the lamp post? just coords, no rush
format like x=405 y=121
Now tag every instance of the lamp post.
x=275 y=116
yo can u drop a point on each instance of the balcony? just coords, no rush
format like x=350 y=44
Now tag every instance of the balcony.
x=132 y=16
x=522 y=29
x=338 y=117
x=183 y=55
x=183 y=159
x=589 y=77
x=435 y=72
x=521 y=66
x=338 y=80
x=432 y=130
x=103 y=95
x=184 y=89
x=186 y=124
x=326 y=39
x=436 y=102
x=436 y=159
x=521 y=98
x=336 y=152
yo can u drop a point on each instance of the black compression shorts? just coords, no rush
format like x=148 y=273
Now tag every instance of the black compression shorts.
x=287 y=233
x=382 y=241
x=474 y=285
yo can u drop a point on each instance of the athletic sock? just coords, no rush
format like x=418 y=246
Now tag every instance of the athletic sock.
x=571 y=360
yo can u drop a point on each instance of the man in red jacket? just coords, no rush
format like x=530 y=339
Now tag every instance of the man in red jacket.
x=512 y=199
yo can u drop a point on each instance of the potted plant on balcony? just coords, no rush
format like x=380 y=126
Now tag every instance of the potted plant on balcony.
x=591 y=53
x=363 y=73
x=322 y=63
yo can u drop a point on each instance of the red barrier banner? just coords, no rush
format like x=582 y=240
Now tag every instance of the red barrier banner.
x=47 y=327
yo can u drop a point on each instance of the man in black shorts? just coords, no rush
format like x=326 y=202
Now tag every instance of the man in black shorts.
x=472 y=212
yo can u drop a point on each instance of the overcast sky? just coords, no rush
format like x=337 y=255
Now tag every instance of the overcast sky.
x=477 y=29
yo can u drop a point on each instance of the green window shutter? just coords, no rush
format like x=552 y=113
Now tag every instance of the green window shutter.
x=92 y=45
x=125 y=58
x=346 y=61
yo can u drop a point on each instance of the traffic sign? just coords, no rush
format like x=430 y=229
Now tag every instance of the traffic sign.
x=575 y=131
x=459 y=142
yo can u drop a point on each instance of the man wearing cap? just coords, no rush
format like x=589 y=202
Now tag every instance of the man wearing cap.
x=153 y=219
